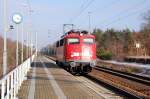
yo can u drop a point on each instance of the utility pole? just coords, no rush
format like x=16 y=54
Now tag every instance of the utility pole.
x=29 y=31
x=22 y=47
x=30 y=13
x=5 y=37
x=36 y=44
x=89 y=14
x=27 y=45
x=23 y=5
x=31 y=43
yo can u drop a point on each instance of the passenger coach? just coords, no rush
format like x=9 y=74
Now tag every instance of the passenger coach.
x=76 y=51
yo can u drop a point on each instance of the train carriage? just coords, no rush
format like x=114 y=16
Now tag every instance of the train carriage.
x=76 y=51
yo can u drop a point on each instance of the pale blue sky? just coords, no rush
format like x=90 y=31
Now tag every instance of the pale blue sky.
x=50 y=15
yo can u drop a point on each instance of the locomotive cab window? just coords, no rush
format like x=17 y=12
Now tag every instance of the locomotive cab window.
x=88 y=40
x=73 y=41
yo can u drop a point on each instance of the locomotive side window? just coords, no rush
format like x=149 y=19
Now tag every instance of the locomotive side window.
x=57 y=44
x=88 y=40
x=61 y=42
x=73 y=41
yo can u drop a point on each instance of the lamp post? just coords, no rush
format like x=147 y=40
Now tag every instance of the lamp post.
x=5 y=37
x=17 y=19
x=17 y=46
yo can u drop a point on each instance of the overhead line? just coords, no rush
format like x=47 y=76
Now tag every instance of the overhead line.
x=128 y=15
x=82 y=10
x=82 y=5
x=111 y=3
x=126 y=10
x=108 y=5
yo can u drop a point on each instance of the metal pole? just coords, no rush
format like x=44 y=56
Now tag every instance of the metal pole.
x=27 y=46
x=17 y=26
x=30 y=22
x=22 y=45
x=36 y=43
x=5 y=38
x=89 y=13
x=31 y=43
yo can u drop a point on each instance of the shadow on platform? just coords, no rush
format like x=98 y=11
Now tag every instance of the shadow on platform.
x=41 y=65
x=56 y=79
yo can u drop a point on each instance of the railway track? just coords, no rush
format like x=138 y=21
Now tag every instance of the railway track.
x=131 y=85
x=138 y=78
x=115 y=89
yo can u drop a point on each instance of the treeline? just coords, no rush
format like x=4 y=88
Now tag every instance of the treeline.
x=11 y=54
x=117 y=44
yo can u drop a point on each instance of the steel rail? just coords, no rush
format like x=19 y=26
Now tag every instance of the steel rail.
x=114 y=88
x=140 y=79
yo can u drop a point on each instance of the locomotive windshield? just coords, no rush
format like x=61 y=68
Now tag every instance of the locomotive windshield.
x=73 y=41
x=88 y=40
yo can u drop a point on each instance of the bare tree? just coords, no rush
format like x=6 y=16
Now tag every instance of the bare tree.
x=146 y=31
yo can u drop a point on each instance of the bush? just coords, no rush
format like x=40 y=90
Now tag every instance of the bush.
x=132 y=69
x=105 y=55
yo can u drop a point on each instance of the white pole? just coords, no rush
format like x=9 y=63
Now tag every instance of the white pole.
x=17 y=26
x=22 y=44
x=36 y=43
x=27 y=46
x=89 y=13
x=5 y=37
x=31 y=45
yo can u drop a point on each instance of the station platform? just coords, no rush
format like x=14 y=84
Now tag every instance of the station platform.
x=48 y=81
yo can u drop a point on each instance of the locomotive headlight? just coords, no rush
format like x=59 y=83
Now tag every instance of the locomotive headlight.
x=86 y=53
x=75 y=54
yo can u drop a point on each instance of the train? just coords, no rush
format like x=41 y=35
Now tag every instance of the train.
x=76 y=52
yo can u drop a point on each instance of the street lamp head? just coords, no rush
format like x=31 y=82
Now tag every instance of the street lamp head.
x=17 y=18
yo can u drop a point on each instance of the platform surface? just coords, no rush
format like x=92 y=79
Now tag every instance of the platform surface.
x=48 y=81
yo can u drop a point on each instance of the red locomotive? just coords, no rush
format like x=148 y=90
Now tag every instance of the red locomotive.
x=76 y=51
